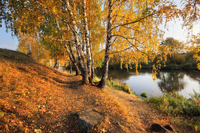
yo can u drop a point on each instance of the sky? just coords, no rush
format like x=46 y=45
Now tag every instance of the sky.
x=6 y=40
x=178 y=32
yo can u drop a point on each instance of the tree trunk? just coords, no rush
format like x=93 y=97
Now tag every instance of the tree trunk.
x=70 y=65
x=88 y=47
x=38 y=51
x=38 y=54
x=108 y=45
x=92 y=67
x=29 y=49
x=69 y=52
x=81 y=58
x=72 y=58
x=56 y=62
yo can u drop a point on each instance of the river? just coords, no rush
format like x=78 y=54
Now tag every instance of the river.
x=183 y=82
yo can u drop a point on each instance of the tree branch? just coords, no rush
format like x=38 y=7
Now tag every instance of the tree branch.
x=133 y=45
x=138 y=20
x=121 y=50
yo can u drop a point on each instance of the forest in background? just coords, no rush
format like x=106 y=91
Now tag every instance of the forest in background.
x=180 y=58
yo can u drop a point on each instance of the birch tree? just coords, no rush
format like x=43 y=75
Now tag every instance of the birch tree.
x=134 y=26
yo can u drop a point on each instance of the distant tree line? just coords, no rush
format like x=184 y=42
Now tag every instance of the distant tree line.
x=181 y=57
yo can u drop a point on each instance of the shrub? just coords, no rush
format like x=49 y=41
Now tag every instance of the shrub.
x=144 y=95
x=176 y=104
x=187 y=66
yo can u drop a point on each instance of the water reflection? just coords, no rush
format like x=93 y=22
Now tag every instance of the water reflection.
x=120 y=74
x=168 y=81
x=171 y=81
x=116 y=74
x=195 y=75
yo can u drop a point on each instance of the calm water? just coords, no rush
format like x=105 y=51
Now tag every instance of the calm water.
x=184 y=82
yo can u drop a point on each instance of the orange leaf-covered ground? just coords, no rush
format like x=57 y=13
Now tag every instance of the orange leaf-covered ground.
x=36 y=98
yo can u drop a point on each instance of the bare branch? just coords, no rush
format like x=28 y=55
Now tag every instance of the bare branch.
x=133 y=45
x=138 y=20
x=114 y=40
x=195 y=10
x=122 y=37
x=121 y=50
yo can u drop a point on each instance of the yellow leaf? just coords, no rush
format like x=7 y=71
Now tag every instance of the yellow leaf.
x=196 y=128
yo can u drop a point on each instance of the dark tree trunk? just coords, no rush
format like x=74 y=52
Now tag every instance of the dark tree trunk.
x=73 y=62
x=56 y=62
x=108 y=45
x=38 y=50
x=72 y=58
x=70 y=65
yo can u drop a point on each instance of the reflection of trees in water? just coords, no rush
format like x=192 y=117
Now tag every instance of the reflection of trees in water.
x=120 y=74
x=115 y=74
x=195 y=75
x=171 y=81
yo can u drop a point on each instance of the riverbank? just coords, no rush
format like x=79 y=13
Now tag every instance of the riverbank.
x=36 y=98
x=185 y=112
x=182 y=111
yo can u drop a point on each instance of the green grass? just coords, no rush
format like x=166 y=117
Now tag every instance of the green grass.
x=116 y=85
x=119 y=86
x=176 y=105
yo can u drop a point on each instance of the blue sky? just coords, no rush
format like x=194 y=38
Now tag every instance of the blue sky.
x=6 y=40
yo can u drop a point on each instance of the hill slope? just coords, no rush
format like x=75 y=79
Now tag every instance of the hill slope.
x=34 y=97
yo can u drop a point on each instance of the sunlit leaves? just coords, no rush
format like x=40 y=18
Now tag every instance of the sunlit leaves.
x=190 y=12
x=137 y=26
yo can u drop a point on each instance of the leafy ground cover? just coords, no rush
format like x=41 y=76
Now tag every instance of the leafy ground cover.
x=36 y=98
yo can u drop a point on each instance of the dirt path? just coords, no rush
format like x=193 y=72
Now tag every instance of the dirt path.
x=141 y=110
